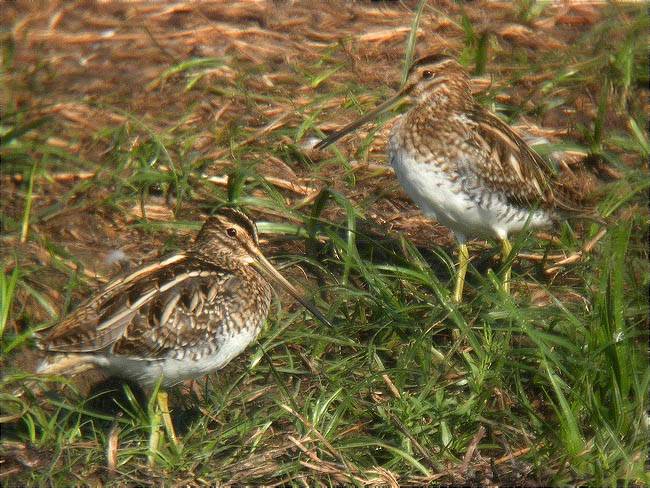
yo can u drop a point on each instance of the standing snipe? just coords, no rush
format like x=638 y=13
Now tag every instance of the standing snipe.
x=461 y=164
x=180 y=317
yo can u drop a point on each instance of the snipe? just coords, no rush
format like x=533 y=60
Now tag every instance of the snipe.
x=180 y=317
x=461 y=164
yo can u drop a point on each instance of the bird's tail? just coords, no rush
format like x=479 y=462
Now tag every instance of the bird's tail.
x=56 y=364
x=69 y=364
x=576 y=204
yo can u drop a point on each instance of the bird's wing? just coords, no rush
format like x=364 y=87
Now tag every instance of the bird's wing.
x=100 y=321
x=147 y=311
x=194 y=315
x=508 y=165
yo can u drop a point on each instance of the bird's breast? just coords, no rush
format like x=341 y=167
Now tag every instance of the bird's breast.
x=456 y=201
x=197 y=362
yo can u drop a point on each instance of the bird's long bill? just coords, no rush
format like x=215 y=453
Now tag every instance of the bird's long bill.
x=267 y=268
x=332 y=138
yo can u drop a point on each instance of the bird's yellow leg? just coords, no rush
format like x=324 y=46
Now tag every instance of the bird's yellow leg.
x=506 y=249
x=167 y=420
x=154 y=438
x=463 y=259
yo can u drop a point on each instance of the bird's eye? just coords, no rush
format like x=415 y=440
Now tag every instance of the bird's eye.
x=231 y=232
x=427 y=74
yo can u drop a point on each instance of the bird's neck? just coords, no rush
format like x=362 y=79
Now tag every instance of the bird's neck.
x=434 y=125
x=216 y=257
x=450 y=95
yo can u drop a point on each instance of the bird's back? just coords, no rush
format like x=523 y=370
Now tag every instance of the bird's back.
x=467 y=169
x=181 y=309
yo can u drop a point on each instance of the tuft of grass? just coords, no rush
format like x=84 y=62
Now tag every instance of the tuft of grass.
x=476 y=47
x=7 y=290
x=409 y=51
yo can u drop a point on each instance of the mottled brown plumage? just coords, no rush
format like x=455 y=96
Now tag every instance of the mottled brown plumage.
x=179 y=317
x=463 y=165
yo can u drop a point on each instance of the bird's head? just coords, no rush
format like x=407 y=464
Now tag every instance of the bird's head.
x=435 y=73
x=229 y=236
x=430 y=78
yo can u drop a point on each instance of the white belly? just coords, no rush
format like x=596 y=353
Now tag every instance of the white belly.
x=173 y=371
x=443 y=199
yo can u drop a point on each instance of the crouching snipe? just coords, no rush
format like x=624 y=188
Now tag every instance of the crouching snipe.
x=180 y=317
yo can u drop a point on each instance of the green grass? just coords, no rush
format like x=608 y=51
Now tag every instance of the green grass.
x=404 y=381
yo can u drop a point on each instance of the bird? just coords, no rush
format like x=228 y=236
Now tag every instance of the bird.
x=178 y=317
x=462 y=165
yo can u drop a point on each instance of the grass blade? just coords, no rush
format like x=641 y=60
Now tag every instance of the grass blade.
x=411 y=40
